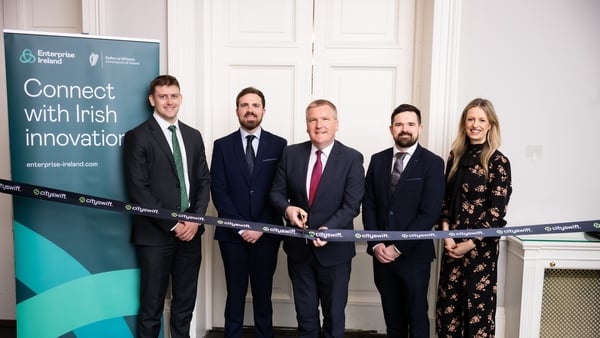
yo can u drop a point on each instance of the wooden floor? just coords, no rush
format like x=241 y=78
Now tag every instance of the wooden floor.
x=281 y=332
x=9 y=331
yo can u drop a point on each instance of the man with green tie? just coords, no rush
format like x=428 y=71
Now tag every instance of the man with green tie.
x=165 y=167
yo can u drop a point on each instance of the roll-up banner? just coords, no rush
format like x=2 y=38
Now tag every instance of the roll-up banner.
x=71 y=98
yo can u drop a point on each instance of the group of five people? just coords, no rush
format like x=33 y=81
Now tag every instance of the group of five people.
x=318 y=184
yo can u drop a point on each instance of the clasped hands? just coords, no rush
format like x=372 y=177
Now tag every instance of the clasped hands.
x=386 y=254
x=250 y=236
x=298 y=218
x=457 y=250
x=185 y=231
x=453 y=249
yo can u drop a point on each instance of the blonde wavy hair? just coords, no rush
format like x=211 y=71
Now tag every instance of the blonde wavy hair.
x=492 y=139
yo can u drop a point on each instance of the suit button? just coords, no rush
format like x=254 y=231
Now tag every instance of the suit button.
x=390 y=213
x=251 y=192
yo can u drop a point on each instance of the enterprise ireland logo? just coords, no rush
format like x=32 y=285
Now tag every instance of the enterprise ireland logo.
x=27 y=56
x=45 y=56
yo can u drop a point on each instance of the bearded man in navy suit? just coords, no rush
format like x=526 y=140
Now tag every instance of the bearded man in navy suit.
x=412 y=201
x=242 y=169
x=166 y=249
x=319 y=271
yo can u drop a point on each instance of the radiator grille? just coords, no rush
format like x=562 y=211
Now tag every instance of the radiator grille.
x=570 y=304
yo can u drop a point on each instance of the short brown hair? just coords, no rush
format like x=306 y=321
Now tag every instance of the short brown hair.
x=163 y=80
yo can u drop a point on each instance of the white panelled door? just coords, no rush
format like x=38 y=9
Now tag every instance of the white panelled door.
x=356 y=53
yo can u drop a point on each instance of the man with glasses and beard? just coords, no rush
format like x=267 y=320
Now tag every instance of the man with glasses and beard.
x=404 y=191
x=242 y=168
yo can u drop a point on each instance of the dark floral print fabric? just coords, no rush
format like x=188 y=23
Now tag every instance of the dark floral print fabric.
x=466 y=301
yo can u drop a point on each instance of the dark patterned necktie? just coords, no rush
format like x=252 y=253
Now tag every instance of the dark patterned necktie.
x=250 y=152
x=179 y=167
x=398 y=168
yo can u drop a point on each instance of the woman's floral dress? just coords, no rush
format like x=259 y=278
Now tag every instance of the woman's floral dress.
x=466 y=302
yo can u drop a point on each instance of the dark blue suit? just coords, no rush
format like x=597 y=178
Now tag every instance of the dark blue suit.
x=320 y=274
x=152 y=181
x=414 y=206
x=237 y=194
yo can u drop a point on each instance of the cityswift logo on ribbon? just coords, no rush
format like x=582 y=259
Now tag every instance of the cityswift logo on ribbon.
x=20 y=189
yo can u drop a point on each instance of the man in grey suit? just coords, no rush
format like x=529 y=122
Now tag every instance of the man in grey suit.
x=319 y=184
x=165 y=167
x=242 y=169
x=404 y=192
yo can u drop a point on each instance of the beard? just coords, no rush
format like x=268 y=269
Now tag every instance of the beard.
x=250 y=125
x=405 y=142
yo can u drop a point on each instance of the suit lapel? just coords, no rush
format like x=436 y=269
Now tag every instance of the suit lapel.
x=383 y=171
x=237 y=154
x=159 y=136
x=263 y=150
x=410 y=166
x=330 y=166
x=303 y=169
x=329 y=170
x=189 y=147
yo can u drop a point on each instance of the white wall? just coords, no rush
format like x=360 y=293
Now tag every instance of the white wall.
x=143 y=19
x=538 y=61
x=7 y=266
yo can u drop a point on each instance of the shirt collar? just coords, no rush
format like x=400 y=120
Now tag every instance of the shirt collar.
x=245 y=133
x=164 y=125
x=325 y=151
x=410 y=150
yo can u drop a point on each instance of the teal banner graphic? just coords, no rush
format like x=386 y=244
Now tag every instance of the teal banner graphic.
x=71 y=98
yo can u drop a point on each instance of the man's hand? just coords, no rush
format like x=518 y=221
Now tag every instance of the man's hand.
x=185 y=231
x=385 y=254
x=251 y=236
x=319 y=242
x=296 y=216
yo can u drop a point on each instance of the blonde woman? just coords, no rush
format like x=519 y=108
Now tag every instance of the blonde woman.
x=478 y=188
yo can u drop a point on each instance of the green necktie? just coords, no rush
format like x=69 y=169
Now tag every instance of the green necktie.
x=179 y=166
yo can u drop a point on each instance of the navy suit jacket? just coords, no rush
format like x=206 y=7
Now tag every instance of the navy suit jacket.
x=152 y=181
x=239 y=195
x=336 y=203
x=415 y=205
